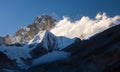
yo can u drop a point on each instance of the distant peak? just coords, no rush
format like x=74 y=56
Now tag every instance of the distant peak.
x=44 y=17
x=41 y=23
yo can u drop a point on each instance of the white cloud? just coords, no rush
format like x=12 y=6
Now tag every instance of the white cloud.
x=85 y=27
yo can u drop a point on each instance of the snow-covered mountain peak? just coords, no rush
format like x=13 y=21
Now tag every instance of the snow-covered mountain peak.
x=41 y=19
x=49 y=41
x=41 y=23
x=40 y=36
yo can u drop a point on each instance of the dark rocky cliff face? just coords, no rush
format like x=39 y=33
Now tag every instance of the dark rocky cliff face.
x=6 y=62
x=101 y=53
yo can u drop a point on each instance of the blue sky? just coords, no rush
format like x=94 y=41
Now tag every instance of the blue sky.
x=15 y=14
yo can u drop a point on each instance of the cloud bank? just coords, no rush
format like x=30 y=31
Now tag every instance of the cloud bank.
x=85 y=27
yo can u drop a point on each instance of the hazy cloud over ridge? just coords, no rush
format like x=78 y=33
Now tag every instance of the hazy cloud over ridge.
x=85 y=27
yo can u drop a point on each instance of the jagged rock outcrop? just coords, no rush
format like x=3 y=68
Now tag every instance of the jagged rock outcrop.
x=38 y=52
x=8 y=39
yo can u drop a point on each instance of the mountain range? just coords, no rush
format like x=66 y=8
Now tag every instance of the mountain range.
x=50 y=45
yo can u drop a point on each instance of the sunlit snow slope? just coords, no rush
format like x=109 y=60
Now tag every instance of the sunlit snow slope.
x=85 y=27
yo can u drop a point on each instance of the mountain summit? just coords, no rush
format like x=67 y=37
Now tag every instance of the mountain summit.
x=23 y=35
x=43 y=22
